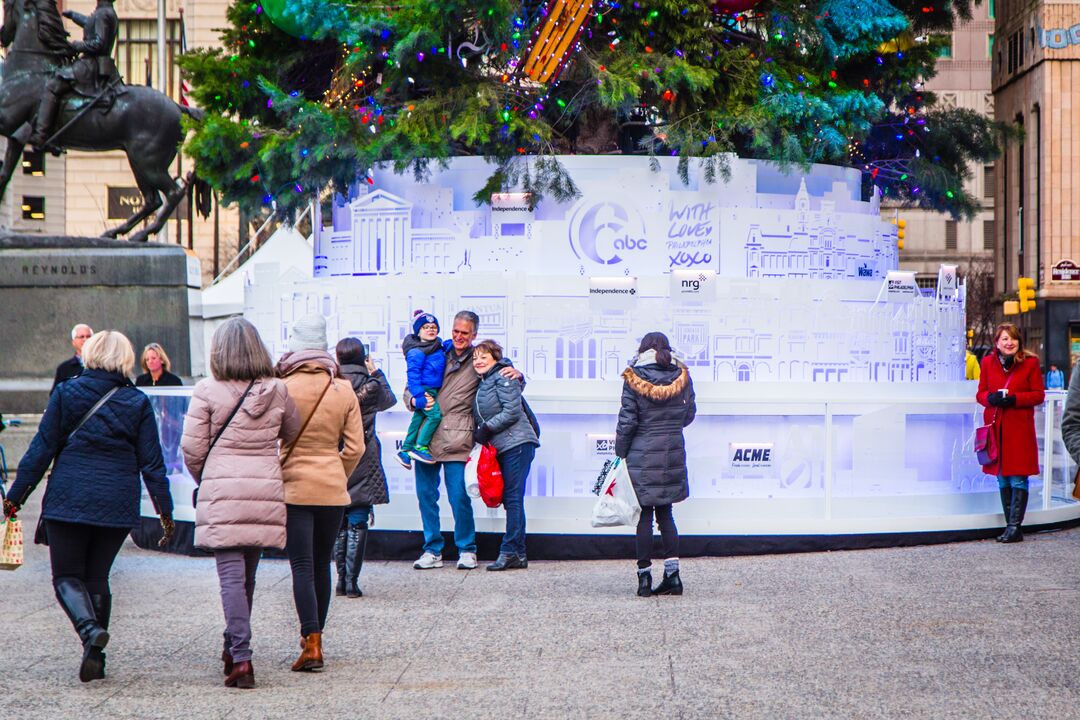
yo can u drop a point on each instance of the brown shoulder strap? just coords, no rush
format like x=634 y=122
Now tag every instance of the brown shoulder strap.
x=306 y=422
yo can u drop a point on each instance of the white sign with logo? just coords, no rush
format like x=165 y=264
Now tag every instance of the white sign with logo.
x=692 y=287
x=612 y=293
x=751 y=455
x=947 y=282
x=900 y=286
x=602 y=445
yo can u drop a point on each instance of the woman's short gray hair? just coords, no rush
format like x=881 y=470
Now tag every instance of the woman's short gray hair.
x=238 y=353
x=111 y=351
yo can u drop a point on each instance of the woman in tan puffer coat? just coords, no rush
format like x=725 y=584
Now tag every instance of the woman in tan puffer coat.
x=230 y=446
x=316 y=470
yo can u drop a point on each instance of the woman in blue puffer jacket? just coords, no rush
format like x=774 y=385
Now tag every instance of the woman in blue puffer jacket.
x=502 y=421
x=93 y=494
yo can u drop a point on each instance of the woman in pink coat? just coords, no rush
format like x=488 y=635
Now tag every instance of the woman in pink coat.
x=230 y=446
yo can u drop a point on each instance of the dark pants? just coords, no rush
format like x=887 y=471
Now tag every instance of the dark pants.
x=236 y=576
x=310 y=532
x=515 y=464
x=668 y=532
x=84 y=552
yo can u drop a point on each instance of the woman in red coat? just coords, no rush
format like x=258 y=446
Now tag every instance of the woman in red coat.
x=1010 y=387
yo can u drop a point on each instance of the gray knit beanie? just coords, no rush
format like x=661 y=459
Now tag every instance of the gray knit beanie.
x=308 y=333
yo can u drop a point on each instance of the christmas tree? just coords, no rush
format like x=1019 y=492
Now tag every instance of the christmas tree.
x=307 y=95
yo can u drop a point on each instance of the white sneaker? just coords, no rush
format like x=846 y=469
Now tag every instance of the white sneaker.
x=428 y=561
x=467 y=561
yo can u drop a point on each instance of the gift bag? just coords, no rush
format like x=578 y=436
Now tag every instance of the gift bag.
x=489 y=477
x=618 y=503
x=472 y=484
x=11 y=545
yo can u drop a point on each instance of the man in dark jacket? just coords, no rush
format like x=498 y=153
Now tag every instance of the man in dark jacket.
x=73 y=366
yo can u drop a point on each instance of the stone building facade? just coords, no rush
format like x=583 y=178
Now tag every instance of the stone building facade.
x=1036 y=83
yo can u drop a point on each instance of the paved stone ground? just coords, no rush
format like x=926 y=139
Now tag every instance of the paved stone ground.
x=972 y=630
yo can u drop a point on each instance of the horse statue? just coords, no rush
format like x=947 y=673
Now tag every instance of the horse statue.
x=94 y=115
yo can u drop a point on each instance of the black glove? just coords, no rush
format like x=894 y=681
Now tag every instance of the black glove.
x=1008 y=401
x=482 y=435
x=995 y=399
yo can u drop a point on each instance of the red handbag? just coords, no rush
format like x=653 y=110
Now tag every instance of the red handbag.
x=986 y=444
x=489 y=476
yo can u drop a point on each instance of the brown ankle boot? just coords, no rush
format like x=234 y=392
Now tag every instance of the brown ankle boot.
x=311 y=656
x=242 y=675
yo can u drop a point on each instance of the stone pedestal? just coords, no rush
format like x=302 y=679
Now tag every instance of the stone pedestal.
x=48 y=284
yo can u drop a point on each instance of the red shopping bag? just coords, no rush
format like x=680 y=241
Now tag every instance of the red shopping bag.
x=489 y=475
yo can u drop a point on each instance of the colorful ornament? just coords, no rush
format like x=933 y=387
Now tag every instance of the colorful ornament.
x=287 y=23
x=733 y=6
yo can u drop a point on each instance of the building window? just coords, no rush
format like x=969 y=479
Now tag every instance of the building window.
x=33 y=163
x=926 y=282
x=950 y=234
x=136 y=53
x=990 y=48
x=33 y=208
x=990 y=9
x=989 y=181
x=945 y=50
x=988 y=234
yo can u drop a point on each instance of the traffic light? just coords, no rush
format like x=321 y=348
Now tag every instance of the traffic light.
x=1026 y=290
x=970 y=337
x=901 y=225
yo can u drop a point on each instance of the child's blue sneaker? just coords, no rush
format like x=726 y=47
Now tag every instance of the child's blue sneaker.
x=422 y=455
x=404 y=459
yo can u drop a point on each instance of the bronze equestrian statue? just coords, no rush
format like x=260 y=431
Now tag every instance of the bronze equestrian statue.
x=56 y=95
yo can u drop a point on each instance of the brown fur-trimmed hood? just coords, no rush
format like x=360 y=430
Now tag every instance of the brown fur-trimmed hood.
x=658 y=393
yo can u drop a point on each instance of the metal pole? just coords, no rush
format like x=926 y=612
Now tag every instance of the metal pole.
x=163 y=71
x=1050 y=410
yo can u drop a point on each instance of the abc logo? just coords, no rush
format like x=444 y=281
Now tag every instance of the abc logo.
x=600 y=232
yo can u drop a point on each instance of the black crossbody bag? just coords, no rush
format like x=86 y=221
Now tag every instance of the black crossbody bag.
x=41 y=535
x=220 y=432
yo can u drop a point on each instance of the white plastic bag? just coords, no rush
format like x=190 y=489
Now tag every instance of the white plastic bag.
x=472 y=485
x=618 y=503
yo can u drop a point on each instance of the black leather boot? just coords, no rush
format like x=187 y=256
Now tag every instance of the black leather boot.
x=340 y=546
x=80 y=610
x=1013 y=534
x=45 y=119
x=354 y=559
x=509 y=561
x=644 y=583
x=670 y=585
x=103 y=612
x=1006 y=508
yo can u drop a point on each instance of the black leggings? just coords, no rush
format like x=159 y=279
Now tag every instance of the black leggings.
x=310 y=532
x=668 y=531
x=84 y=552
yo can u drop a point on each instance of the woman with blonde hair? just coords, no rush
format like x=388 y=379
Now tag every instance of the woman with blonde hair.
x=316 y=469
x=156 y=366
x=99 y=434
x=1010 y=388
x=230 y=445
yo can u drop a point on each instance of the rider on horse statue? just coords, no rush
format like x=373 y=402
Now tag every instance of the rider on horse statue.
x=92 y=72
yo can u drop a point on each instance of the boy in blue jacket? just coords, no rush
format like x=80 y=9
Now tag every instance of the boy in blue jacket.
x=426 y=362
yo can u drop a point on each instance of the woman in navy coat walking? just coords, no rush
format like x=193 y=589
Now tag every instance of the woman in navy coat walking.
x=99 y=433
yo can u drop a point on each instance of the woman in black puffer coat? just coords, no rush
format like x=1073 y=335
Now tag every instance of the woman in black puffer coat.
x=367 y=484
x=657 y=403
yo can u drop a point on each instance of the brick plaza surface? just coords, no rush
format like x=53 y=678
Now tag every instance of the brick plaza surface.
x=968 y=630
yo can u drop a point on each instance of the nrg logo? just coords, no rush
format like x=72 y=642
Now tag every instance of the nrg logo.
x=694 y=284
x=599 y=232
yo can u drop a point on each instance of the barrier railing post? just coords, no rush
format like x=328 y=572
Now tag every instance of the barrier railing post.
x=828 y=460
x=1048 y=451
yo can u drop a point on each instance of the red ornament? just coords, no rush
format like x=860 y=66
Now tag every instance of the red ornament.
x=668 y=96
x=733 y=6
